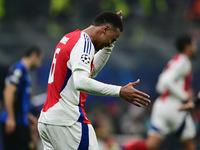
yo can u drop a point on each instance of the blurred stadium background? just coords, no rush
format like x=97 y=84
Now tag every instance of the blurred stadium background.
x=145 y=46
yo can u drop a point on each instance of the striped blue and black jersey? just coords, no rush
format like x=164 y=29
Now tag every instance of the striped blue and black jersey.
x=19 y=76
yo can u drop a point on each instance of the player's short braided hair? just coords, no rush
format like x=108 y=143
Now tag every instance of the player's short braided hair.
x=110 y=18
x=182 y=41
x=33 y=49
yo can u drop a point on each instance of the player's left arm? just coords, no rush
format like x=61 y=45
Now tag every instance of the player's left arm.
x=85 y=84
x=100 y=59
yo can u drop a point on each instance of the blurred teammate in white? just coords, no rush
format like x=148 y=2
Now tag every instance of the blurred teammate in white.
x=63 y=123
x=174 y=85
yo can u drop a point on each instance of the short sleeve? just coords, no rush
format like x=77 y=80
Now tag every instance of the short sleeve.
x=14 y=76
x=82 y=54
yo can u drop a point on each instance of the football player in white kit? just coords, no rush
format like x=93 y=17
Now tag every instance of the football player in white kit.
x=174 y=85
x=63 y=123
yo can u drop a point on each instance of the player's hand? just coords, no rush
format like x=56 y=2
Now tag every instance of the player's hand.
x=10 y=125
x=134 y=96
x=187 y=106
x=120 y=13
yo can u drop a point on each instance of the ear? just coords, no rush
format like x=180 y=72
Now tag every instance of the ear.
x=105 y=27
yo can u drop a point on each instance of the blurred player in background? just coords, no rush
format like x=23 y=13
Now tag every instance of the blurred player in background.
x=15 y=117
x=63 y=123
x=174 y=85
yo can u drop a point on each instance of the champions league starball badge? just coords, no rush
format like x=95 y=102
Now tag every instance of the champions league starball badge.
x=85 y=58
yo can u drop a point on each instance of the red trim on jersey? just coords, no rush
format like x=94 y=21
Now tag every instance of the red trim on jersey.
x=83 y=97
x=61 y=69
x=175 y=58
x=164 y=96
x=188 y=80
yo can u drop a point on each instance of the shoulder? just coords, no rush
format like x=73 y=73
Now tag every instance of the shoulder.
x=182 y=64
x=70 y=40
x=73 y=36
x=184 y=61
x=17 y=67
x=16 y=71
x=180 y=60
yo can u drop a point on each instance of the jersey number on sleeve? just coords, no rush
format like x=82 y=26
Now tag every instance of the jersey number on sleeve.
x=53 y=66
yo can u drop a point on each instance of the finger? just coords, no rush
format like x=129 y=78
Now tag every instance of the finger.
x=142 y=98
x=136 y=104
x=142 y=94
x=120 y=13
x=135 y=83
x=140 y=102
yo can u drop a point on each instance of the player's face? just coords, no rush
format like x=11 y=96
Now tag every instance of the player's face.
x=107 y=37
x=193 y=49
x=37 y=61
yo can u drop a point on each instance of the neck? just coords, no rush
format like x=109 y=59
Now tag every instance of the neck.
x=92 y=31
x=26 y=62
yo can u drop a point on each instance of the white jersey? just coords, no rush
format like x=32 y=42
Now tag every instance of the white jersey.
x=74 y=56
x=175 y=80
x=173 y=85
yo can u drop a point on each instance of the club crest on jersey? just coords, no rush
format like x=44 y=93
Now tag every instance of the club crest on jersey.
x=85 y=58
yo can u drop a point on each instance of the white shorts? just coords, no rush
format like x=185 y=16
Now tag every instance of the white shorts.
x=76 y=137
x=166 y=119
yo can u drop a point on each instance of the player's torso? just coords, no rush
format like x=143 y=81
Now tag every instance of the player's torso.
x=63 y=102
x=182 y=81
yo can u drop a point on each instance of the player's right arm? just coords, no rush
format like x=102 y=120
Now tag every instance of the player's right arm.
x=9 y=95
